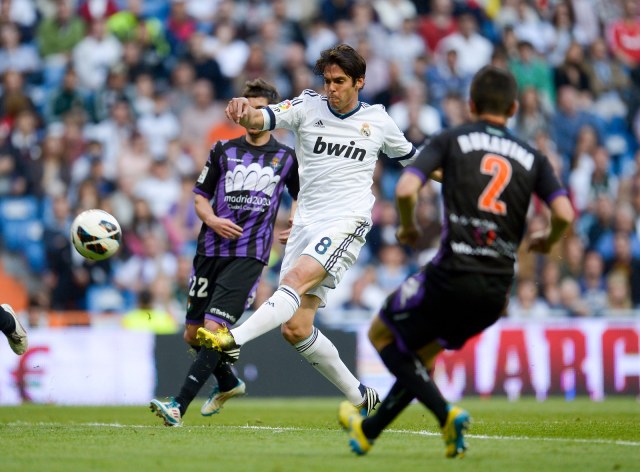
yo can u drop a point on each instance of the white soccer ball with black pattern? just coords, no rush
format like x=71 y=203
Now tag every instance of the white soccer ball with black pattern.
x=96 y=234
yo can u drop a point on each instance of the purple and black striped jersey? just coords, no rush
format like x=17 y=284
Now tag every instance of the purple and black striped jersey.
x=245 y=183
x=488 y=177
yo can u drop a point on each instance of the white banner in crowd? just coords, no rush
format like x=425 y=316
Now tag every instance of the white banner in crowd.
x=595 y=357
x=80 y=366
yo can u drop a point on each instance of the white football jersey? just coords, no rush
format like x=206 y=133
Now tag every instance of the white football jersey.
x=337 y=154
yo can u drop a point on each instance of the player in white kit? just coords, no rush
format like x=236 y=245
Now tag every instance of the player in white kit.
x=338 y=141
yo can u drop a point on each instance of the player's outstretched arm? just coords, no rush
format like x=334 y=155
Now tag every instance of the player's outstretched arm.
x=239 y=111
x=562 y=216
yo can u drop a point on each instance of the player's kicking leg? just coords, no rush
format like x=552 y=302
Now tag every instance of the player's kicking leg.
x=13 y=330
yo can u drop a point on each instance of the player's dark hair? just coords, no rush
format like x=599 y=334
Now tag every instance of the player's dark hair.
x=260 y=88
x=493 y=90
x=345 y=57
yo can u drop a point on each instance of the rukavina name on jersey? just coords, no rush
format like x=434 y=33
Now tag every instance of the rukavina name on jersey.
x=333 y=149
x=478 y=141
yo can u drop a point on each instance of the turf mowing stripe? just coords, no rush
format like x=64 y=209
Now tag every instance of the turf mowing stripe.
x=289 y=428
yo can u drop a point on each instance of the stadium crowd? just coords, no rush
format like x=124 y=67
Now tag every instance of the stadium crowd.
x=114 y=104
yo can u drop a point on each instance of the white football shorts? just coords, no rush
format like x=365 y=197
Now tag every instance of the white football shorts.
x=335 y=245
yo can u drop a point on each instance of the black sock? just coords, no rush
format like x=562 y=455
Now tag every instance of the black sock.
x=413 y=375
x=7 y=323
x=225 y=376
x=199 y=372
x=396 y=400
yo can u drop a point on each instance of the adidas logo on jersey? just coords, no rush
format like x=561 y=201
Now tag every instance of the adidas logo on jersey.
x=318 y=124
x=339 y=150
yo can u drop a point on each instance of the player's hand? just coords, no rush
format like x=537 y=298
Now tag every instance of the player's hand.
x=283 y=236
x=237 y=108
x=539 y=242
x=408 y=235
x=225 y=228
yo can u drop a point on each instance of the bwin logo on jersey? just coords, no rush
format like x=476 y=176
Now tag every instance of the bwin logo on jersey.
x=339 y=150
x=254 y=178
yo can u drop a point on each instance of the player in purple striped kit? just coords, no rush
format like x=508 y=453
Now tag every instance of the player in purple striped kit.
x=237 y=197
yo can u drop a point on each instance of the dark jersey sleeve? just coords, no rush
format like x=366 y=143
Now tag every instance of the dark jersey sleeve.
x=208 y=179
x=547 y=185
x=293 y=179
x=430 y=157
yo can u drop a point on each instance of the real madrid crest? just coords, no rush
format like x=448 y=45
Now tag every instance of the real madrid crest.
x=365 y=130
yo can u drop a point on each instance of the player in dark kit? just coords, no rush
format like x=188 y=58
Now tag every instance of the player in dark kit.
x=488 y=178
x=237 y=197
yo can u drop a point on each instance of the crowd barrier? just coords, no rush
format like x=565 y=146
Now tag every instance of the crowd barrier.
x=107 y=365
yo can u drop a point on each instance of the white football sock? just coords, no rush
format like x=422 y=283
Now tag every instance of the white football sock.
x=277 y=310
x=323 y=355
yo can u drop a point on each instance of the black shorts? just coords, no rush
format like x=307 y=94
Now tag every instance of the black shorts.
x=222 y=288
x=445 y=306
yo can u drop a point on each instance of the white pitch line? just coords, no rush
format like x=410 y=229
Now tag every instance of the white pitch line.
x=277 y=429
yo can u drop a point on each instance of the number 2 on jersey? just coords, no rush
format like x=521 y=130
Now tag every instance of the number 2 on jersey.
x=500 y=170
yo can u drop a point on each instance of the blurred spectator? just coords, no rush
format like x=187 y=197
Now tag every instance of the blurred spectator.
x=623 y=34
x=531 y=28
x=393 y=13
x=531 y=116
x=56 y=36
x=618 y=295
x=414 y=101
x=207 y=67
x=159 y=126
x=625 y=264
x=24 y=142
x=443 y=77
x=52 y=170
x=530 y=70
x=142 y=100
x=131 y=24
x=392 y=268
x=14 y=99
x=94 y=55
x=564 y=32
x=21 y=57
x=549 y=287
x=608 y=80
x=334 y=10
x=197 y=119
x=181 y=86
x=592 y=176
x=115 y=89
x=571 y=302
x=148 y=317
x=134 y=159
x=593 y=284
x=91 y=10
x=573 y=71
x=179 y=26
x=574 y=251
x=567 y=121
x=405 y=46
x=66 y=277
x=624 y=222
x=113 y=133
x=160 y=177
x=437 y=24
x=474 y=50
x=139 y=271
x=365 y=293
x=227 y=49
x=66 y=98
x=527 y=304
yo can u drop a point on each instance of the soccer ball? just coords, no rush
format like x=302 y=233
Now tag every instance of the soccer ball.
x=96 y=234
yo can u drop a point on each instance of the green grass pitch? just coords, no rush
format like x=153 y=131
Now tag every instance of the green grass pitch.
x=278 y=435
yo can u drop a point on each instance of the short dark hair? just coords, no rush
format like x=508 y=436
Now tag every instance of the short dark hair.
x=493 y=90
x=345 y=57
x=260 y=88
